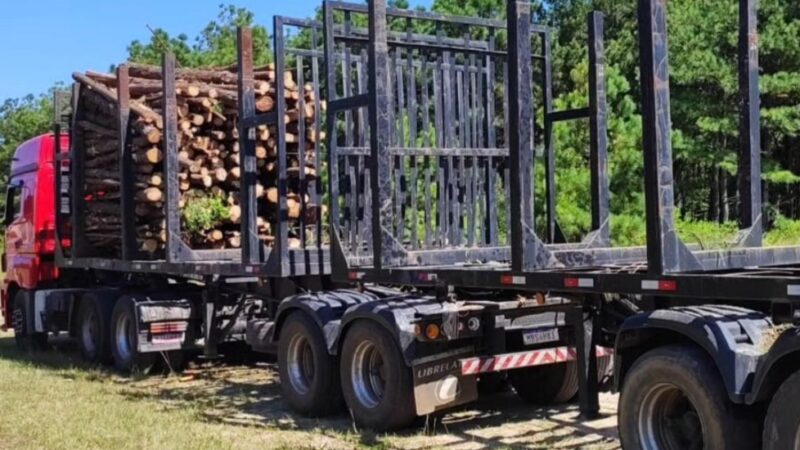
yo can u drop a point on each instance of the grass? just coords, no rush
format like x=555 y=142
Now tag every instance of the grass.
x=53 y=400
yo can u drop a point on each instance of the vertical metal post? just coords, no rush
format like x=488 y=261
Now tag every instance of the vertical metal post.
x=210 y=297
x=520 y=132
x=281 y=245
x=585 y=353
x=380 y=126
x=77 y=163
x=749 y=125
x=665 y=252
x=329 y=47
x=57 y=198
x=126 y=191
x=247 y=108
x=171 y=167
x=598 y=129
x=549 y=151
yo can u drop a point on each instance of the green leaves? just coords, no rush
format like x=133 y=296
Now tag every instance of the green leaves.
x=203 y=213
x=215 y=45
x=21 y=119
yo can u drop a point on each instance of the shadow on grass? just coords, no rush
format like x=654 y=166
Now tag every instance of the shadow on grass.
x=244 y=391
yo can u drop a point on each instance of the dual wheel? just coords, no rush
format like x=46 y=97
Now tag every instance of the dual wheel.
x=107 y=332
x=105 y=328
x=372 y=378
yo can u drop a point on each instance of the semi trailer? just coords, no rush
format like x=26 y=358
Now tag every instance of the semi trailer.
x=428 y=273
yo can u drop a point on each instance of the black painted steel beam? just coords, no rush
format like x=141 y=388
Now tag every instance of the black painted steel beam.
x=126 y=189
x=281 y=244
x=520 y=134
x=665 y=251
x=568 y=114
x=598 y=130
x=171 y=166
x=380 y=134
x=549 y=148
x=246 y=90
x=750 y=209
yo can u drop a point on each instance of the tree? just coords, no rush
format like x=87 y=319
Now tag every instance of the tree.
x=215 y=46
x=21 y=119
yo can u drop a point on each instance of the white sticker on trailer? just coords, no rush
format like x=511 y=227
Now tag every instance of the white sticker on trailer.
x=585 y=282
x=650 y=285
x=517 y=280
x=793 y=290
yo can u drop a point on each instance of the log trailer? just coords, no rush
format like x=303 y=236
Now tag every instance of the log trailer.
x=426 y=277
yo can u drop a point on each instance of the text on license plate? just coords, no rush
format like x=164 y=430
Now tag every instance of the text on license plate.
x=540 y=336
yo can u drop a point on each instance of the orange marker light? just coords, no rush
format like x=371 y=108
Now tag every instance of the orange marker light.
x=432 y=331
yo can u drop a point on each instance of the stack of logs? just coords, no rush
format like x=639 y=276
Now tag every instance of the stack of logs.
x=208 y=154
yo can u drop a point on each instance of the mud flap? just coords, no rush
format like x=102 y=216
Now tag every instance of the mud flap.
x=439 y=385
x=163 y=325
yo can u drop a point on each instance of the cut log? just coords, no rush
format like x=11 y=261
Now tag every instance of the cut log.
x=150 y=195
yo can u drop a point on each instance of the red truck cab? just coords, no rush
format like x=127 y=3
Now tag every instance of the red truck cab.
x=28 y=257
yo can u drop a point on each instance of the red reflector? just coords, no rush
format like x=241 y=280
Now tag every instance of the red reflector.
x=667 y=285
x=506 y=279
x=167 y=327
x=571 y=282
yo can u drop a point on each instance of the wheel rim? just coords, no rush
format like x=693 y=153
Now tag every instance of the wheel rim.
x=90 y=331
x=123 y=336
x=367 y=373
x=668 y=420
x=300 y=362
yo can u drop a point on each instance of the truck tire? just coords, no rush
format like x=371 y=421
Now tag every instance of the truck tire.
x=552 y=384
x=92 y=328
x=673 y=398
x=376 y=382
x=492 y=383
x=309 y=374
x=124 y=339
x=782 y=426
x=25 y=339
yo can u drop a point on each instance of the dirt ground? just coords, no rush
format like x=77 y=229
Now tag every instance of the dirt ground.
x=249 y=395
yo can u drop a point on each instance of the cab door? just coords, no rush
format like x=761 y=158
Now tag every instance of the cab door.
x=20 y=259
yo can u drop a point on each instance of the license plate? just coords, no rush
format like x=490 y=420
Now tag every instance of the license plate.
x=540 y=336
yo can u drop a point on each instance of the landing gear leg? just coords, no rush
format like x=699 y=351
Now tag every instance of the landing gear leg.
x=586 y=354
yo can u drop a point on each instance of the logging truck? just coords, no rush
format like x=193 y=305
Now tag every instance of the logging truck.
x=370 y=221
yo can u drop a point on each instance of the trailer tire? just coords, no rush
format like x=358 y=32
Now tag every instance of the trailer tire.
x=545 y=385
x=25 y=339
x=782 y=426
x=124 y=339
x=93 y=330
x=673 y=398
x=309 y=374
x=492 y=383
x=376 y=382
x=551 y=384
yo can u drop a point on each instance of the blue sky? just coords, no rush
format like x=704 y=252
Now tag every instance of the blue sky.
x=44 y=41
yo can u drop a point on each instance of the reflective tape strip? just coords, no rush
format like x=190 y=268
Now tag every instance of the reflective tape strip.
x=518 y=360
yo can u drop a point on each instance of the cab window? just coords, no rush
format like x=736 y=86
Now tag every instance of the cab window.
x=13 y=203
